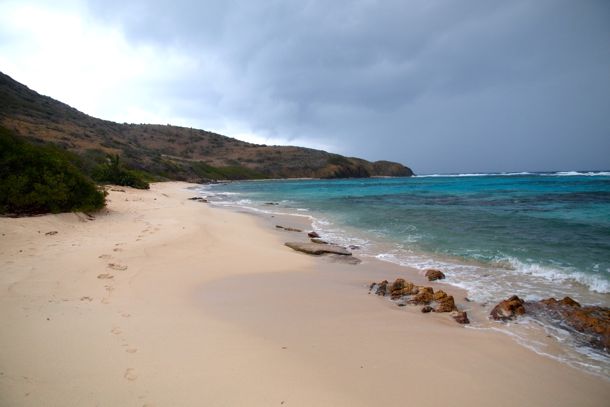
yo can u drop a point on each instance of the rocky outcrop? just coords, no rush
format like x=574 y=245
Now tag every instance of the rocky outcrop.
x=379 y=288
x=396 y=288
x=424 y=296
x=590 y=323
x=318 y=249
x=405 y=292
x=313 y=234
x=508 y=309
x=434 y=274
x=288 y=229
x=445 y=304
x=319 y=241
x=460 y=317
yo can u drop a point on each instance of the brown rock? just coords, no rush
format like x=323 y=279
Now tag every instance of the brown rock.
x=313 y=234
x=460 y=317
x=439 y=295
x=567 y=301
x=591 y=322
x=434 y=275
x=424 y=296
x=382 y=288
x=445 y=304
x=508 y=309
x=427 y=309
x=317 y=249
x=396 y=288
x=409 y=288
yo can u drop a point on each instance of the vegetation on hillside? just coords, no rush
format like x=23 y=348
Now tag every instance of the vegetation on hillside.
x=160 y=152
x=41 y=179
x=113 y=172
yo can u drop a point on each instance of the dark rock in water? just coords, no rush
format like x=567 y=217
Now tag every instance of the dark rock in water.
x=508 y=309
x=288 y=229
x=460 y=317
x=319 y=241
x=589 y=324
x=271 y=203
x=445 y=304
x=317 y=249
x=567 y=301
x=427 y=309
x=434 y=275
x=396 y=288
x=353 y=247
x=313 y=234
x=424 y=296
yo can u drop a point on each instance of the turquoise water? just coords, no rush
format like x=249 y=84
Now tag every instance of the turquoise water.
x=541 y=233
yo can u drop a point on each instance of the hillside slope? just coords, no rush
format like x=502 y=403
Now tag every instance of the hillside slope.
x=171 y=152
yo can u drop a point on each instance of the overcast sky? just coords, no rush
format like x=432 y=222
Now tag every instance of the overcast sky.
x=441 y=86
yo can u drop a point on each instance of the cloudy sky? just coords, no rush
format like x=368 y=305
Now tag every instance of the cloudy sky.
x=442 y=86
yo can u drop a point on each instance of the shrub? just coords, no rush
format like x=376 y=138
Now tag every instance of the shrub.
x=113 y=172
x=41 y=179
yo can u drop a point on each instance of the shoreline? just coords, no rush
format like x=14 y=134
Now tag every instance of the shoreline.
x=537 y=334
x=164 y=301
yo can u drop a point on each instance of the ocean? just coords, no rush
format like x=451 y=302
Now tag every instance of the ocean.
x=537 y=235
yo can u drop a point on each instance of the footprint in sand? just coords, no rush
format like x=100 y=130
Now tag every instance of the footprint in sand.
x=105 y=301
x=130 y=374
x=115 y=266
x=125 y=315
x=116 y=331
x=86 y=299
x=117 y=249
x=131 y=350
x=104 y=256
x=105 y=276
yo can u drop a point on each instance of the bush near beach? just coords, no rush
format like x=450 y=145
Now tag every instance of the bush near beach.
x=41 y=179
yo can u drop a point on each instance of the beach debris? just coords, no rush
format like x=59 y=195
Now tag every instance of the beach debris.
x=460 y=317
x=590 y=323
x=313 y=234
x=445 y=304
x=288 y=229
x=427 y=309
x=319 y=241
x=51 y=233
x=434 y=275
x=508 y=309
x=318 y=249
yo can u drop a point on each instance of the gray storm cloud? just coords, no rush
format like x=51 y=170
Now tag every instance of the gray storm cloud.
x=443 y=86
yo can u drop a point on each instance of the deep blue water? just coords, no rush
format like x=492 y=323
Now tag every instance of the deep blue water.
x=544 y=231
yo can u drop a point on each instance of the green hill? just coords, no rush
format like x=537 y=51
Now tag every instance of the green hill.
x=160 y=152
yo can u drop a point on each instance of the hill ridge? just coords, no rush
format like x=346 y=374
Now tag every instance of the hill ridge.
x=168 y=151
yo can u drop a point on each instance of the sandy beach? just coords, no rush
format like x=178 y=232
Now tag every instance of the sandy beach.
x=163 y=301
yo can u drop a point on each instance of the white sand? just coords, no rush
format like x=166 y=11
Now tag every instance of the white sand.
x=206 y=307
